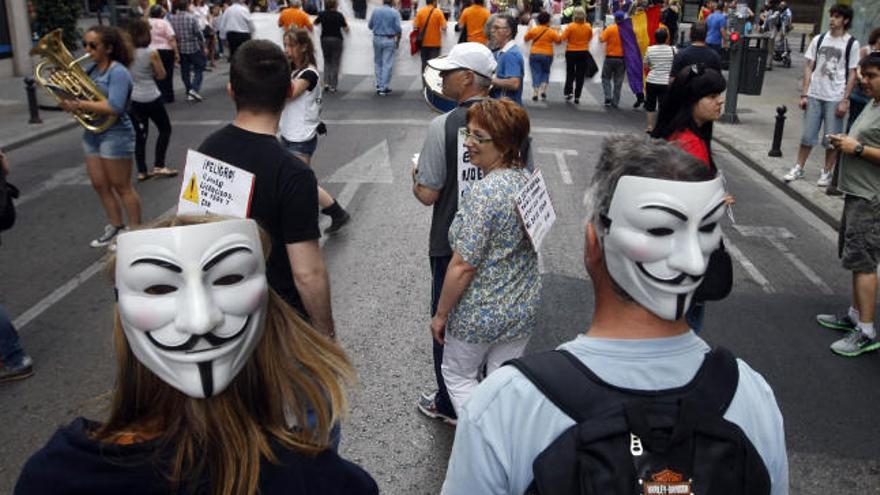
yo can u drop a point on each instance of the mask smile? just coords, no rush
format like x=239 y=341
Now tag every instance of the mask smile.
x=189 y=346
x=680 y=279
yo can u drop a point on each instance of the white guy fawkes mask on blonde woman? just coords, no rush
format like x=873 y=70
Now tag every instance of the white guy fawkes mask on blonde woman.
x=659 y=239
x=192 y=301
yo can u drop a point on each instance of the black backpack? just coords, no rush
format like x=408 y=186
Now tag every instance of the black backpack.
x=643 y=442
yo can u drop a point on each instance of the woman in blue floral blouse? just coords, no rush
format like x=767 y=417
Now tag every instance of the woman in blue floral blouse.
x=489 y=302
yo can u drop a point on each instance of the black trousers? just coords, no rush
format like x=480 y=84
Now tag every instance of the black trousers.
x=235 y=39
x=166 y=86
x=141 y=115
x=575 y=71
x=427 y=53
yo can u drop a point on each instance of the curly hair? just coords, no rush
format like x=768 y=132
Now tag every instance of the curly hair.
x=117 y=42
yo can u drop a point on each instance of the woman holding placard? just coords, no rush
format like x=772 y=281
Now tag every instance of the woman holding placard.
x=489 y=303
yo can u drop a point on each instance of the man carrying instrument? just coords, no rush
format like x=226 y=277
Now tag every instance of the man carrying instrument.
x=441 y=178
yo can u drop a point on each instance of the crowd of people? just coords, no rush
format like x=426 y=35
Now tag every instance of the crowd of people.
x=229 y=376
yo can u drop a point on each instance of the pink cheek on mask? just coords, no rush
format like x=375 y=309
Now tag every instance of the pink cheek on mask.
x=145 y=319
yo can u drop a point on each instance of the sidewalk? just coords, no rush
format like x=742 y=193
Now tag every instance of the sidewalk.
x=751 y=138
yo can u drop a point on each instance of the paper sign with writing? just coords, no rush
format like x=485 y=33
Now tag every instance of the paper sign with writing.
x=535 y=208
x=212 y=187
x=468 y=173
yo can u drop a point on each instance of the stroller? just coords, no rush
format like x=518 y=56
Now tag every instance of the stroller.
x=778 y=25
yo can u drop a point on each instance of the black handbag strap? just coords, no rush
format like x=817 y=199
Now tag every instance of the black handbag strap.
x=575 y=389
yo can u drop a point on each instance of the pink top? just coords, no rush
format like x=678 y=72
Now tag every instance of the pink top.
x=161 y=34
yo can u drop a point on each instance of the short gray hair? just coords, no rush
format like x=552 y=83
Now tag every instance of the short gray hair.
x=511 y=23
x=482 y=81
x=296 y=4
x=641 y=157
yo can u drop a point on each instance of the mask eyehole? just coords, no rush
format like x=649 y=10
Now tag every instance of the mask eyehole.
x=229 y=280
x=160 y=289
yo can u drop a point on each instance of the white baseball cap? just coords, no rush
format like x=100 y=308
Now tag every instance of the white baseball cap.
x=471 y=56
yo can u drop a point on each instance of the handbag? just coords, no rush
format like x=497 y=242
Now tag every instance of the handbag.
x=8 y=192
x=718 y=279
x=462 y=36
x=417 y=36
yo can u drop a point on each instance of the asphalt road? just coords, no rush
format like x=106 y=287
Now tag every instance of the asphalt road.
x=786 y=271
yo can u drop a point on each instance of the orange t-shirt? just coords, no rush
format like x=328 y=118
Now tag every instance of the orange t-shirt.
x=578 y=36
x=544 y=37
x=294 y=16
x=435 y=24
x=611 y=37
x=473 y=19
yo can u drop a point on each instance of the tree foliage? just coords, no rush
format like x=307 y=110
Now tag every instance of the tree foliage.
x=54 y=14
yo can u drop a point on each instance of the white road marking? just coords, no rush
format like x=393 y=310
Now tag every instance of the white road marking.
x=774 y=236
x=366 y=88
x=560 y=161
x=749 y=267
x=372 y=166
x=72 y=176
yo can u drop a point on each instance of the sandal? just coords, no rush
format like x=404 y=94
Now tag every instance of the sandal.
x=165 y=172
x=143 y=177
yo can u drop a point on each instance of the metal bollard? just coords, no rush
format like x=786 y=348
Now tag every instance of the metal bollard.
x=777 y=132
x=803 y=42
x=31 y=89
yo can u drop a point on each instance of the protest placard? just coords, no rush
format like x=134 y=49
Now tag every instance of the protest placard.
x=535 y=208
x=212 y=187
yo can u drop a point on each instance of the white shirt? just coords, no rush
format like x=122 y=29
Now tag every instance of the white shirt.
x=236 y=19
x=301 y=116
x=828 y=82
x=507 y=422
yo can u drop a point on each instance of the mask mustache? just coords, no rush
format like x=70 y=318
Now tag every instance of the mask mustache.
x=190 y=344
x=680 y=279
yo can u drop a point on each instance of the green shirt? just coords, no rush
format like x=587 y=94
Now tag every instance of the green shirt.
x=858 y=176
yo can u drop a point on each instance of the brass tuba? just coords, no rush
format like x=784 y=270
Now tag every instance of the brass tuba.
x=61 y=75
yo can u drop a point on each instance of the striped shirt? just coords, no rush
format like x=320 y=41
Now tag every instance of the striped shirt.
x=659 y=60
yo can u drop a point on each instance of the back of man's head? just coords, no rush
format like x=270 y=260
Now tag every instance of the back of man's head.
x=260 y=77
x=387 y=2
x=478 y=2
x=698 y=32
x=296 y=4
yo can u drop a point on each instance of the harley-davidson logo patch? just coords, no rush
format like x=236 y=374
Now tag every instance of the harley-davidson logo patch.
x=667 y=482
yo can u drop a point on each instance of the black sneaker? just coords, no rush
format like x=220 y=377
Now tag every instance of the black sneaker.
x=20 y=372
x=338 y=223
x=840 y=321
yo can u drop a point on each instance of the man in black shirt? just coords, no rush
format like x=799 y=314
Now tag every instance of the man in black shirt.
x=285 y=198
x=697 y=53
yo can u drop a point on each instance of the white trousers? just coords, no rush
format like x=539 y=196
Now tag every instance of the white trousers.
x=462 y=363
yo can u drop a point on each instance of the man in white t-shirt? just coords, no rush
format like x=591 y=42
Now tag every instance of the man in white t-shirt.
x=829 y=78
x=648 y=241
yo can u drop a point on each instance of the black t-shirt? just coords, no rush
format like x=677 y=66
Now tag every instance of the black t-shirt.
x=331 y=23
x=695 y=55
x=72 y=464
x=285 y=199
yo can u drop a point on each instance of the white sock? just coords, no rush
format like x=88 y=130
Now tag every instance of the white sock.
x=853 y=314
x=868 y=328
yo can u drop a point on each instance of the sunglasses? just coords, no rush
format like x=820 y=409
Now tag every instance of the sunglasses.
x=90 y=44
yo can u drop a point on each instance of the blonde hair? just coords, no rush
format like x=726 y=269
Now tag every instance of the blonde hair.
x=294 y=369
x=579 y=14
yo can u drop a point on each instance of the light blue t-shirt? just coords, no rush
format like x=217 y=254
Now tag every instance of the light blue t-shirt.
x=510 y=63
x=116 y=84
x=385 y=21
x=714 y=23
x=507 y=422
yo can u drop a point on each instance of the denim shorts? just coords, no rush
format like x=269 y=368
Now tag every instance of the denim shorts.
x=304 y=148
x=859 y=237
x=817 y=112
x=117 y=142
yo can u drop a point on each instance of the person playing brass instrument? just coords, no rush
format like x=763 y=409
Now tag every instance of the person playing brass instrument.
x=109 y=153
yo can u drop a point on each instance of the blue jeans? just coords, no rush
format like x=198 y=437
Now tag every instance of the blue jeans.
x=439 y=264
x=817 y=112
x=192 y=63
x=613 y=70
x=540 y=67
x=11 y=352
x=384 y=49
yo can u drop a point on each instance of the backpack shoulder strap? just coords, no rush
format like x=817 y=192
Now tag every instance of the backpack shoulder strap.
x=566 y=382
x=576 y=390
x=849 y=45
x=818 y=44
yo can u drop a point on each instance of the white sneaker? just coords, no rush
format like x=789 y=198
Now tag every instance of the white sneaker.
x=195 y=95
x=824 y=179
x=797 y=172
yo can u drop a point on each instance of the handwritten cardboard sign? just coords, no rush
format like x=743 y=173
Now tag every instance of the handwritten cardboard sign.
x=212 y=187
x=535 y=208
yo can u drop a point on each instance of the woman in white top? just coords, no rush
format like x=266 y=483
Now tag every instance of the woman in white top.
x=301 y=119
x=658 y=60
x=146 y=102
x=163 y=40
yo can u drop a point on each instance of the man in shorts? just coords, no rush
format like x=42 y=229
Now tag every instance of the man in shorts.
x=285 y=198
x=826 y=89
x=859 y=241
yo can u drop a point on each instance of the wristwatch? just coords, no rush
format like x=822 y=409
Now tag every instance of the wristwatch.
x=859 y=149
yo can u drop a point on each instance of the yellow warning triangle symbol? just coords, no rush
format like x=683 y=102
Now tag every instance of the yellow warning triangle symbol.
x=192 y=191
